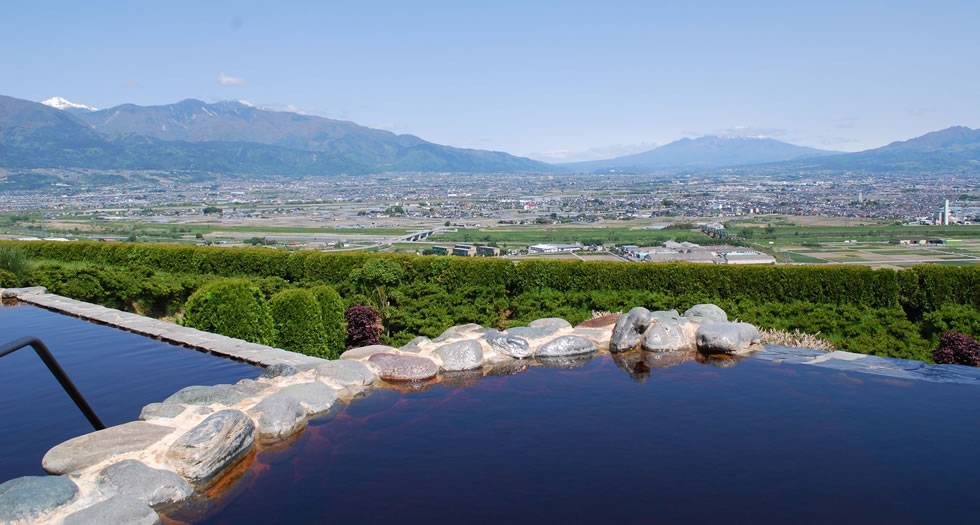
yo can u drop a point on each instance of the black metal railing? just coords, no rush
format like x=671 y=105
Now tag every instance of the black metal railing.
x=59 y=374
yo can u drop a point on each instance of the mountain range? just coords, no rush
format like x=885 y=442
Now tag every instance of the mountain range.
x=194 y=138
x=223 y=138
x=704 y=153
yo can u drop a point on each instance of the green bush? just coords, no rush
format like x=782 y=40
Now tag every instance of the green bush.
x=8 y=280
x=951 y=318
x=14 y=260
x=332 y=316
x=299 y=322
x=231 y=307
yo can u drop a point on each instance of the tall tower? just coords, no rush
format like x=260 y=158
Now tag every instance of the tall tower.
x=946 y=214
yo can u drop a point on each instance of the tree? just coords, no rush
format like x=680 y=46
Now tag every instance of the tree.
x=332 y=313
x=298 y=320
x=211 y=209
x=231 y=307
x=363 y=326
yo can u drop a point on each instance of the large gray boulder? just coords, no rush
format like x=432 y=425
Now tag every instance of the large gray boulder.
x=365 y=352
x=250 y=387
x=456 y=331
x=555 y=322
x=529 y=332
x=629 y=329
x=413 y=347
x=278 y=417
x=278 y=370
x=345 y=374
x=461 y=355
x=665 y=316
x=508 y=344
x=89 y=449
x=393 y=367
x=565 y=346
x=666 y=336
x=706 y=313
x=315 y=396
x=151 y=486
x=565 y=362
x=205 y=395
x=213 y=446
x=117 y=509
x=726 y=338
x=13 y=293
x=28 y=497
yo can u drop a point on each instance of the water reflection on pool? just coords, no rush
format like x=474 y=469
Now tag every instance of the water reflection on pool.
x=671 y=440
x=118 y=372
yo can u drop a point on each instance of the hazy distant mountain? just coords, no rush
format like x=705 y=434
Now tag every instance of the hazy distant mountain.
x=227 y=137
x=704 y=153
x=60 y=103
x=955 y=149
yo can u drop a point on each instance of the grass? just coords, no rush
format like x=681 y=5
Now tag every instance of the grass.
x=798 y=234
x=800 y=258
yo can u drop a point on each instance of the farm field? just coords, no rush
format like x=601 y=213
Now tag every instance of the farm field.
x=878 y=255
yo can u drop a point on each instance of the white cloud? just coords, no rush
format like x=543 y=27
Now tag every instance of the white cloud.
x=226 y=80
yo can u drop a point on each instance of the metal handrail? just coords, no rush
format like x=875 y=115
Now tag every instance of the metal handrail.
x=59 y=374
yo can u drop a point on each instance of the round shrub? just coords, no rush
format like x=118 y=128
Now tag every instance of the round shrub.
x=957 y=349
x=298 y=321
x=363 y=326
x=332 y=315
x=231 y=307
x=8 y=279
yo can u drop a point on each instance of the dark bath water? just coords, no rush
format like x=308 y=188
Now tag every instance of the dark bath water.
x=118 y=372
x=759 y=442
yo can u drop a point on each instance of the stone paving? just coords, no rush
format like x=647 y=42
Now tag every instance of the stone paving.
x=191 y=441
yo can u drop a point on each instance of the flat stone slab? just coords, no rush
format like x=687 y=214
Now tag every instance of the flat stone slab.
x=215 y=444
x=153 y=487
x=511 y=345
x=278 y=417
x=404 y=368
x=365 y=352
x=566 y=346
x=161 y=411
x=13 y=293
x=205 y=395
x=461 y=355
x=118 y=509
x=89 y=449
x=315 y=397
x=250 y=387
x=345 y=373
x=28 y=497
x=556 y=322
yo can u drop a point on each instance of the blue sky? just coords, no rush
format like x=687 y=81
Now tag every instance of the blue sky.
x=553 y=80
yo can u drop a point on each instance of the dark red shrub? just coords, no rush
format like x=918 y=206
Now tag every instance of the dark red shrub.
x=363 y=326
x=957 y=349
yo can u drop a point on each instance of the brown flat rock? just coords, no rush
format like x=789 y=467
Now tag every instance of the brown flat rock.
x=603 y=320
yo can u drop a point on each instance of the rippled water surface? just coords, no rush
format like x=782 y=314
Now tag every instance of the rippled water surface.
x=118 y=372
x=685 y=442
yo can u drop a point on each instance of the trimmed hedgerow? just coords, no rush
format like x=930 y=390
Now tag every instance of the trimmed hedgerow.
x=332 y=316
x=298 y=320
x=231 y=307
x=363 y=326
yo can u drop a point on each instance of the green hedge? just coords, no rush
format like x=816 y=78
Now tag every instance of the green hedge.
x=918 y=290
x=231 y=307
x=332 y=315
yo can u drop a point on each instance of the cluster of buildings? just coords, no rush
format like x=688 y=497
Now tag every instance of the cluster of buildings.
x=671 y=251
x=467 y=250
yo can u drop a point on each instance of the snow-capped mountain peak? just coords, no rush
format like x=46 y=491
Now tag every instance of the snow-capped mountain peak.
x=60 y=103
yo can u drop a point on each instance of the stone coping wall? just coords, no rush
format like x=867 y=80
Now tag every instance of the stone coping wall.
x=191 y=442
